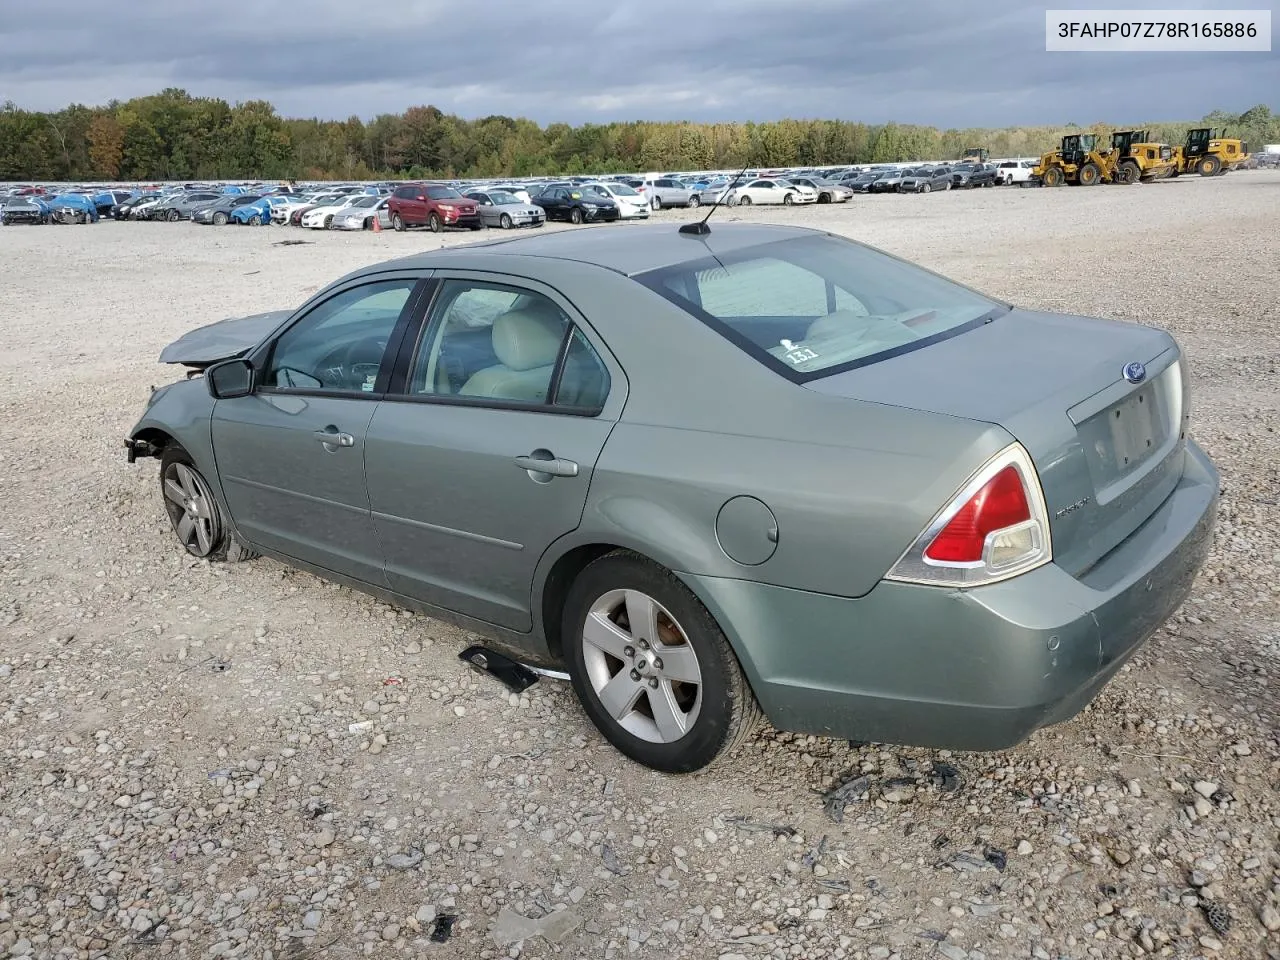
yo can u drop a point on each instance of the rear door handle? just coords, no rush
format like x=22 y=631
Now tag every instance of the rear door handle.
x=333 y=437
x=549 y=465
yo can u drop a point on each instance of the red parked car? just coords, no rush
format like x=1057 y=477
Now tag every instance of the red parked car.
x=433 y=205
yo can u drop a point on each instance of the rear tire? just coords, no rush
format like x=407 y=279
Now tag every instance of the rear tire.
x=1052 y=177
x=675 y=717
x=744 y=201
x=656 y=202
x=194 y=512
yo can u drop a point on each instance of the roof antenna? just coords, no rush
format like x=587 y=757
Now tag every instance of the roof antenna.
x=699 y=228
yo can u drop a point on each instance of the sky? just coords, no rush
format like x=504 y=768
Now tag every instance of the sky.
x=947 y=63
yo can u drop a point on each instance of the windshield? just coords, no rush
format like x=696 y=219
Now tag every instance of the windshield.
x=443 y=193
x=365 y=202
x=503 y=198
x=622 y=190
x=812 y=306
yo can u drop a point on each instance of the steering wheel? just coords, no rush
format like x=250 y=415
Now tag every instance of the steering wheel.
x=355 y=364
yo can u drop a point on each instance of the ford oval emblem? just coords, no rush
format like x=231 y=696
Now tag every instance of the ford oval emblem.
x=1134 y=372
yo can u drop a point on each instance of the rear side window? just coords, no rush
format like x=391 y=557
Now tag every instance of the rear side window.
x=487 y=342
x=812 y=306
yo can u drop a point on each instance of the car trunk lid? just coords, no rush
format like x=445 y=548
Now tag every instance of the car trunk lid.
x=1108 y=451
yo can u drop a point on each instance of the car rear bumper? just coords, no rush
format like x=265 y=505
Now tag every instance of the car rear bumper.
x=976 y=669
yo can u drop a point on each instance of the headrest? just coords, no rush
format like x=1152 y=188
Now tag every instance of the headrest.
x=527 y=337
x=840 y=323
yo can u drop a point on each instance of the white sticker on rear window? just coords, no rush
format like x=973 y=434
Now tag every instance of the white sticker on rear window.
x=798 y=355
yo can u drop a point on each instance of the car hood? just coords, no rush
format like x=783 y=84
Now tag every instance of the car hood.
x=222 y=340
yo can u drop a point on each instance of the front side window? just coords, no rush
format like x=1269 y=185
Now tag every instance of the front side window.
x=486 y=341
x=339 y=345
x=812 y=306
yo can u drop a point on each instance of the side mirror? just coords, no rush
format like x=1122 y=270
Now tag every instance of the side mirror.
x=229 y=379
x=422 y=196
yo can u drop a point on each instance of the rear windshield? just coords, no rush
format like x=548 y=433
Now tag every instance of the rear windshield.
x=813 y=306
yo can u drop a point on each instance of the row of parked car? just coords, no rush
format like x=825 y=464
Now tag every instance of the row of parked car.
x=501 y=204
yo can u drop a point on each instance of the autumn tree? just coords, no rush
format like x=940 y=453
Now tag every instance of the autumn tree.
x=106 y=145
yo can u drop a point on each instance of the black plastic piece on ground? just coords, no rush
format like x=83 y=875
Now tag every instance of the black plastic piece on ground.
x=516 y=676
x=442 y=927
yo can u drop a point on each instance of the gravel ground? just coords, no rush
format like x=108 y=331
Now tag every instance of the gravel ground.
x=204 y=761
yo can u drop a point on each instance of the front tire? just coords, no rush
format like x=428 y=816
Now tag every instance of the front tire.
x=504 y=221
x=174 y=216
x=1090 y=175
x=219 y=219
x=575 y=216
x=1209 y=166
x=653 y=670
x=434 y=223
x=788 y=199
x=926 y=188
x=397 y=223
x=695 y=201
x=194 y=512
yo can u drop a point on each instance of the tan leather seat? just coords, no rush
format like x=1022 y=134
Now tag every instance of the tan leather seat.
x=526 y=342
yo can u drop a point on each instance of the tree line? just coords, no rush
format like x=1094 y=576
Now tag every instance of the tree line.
x=172 y=135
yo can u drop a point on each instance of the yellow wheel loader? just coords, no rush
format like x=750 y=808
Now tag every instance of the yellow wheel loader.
x=1208 y=153
x=1076 y=161
x=1138 y=157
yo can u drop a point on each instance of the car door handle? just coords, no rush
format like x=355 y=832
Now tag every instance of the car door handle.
x=333 y=437
x=548 y=465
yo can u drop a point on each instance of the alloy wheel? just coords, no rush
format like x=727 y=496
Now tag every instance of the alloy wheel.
x=641 y=666
x=191 y=509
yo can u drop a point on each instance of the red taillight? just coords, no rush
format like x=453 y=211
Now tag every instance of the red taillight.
x=1000 y=503
x=995 y=527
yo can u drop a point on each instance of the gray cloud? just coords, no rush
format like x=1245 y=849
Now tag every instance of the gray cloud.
x=944 y=62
